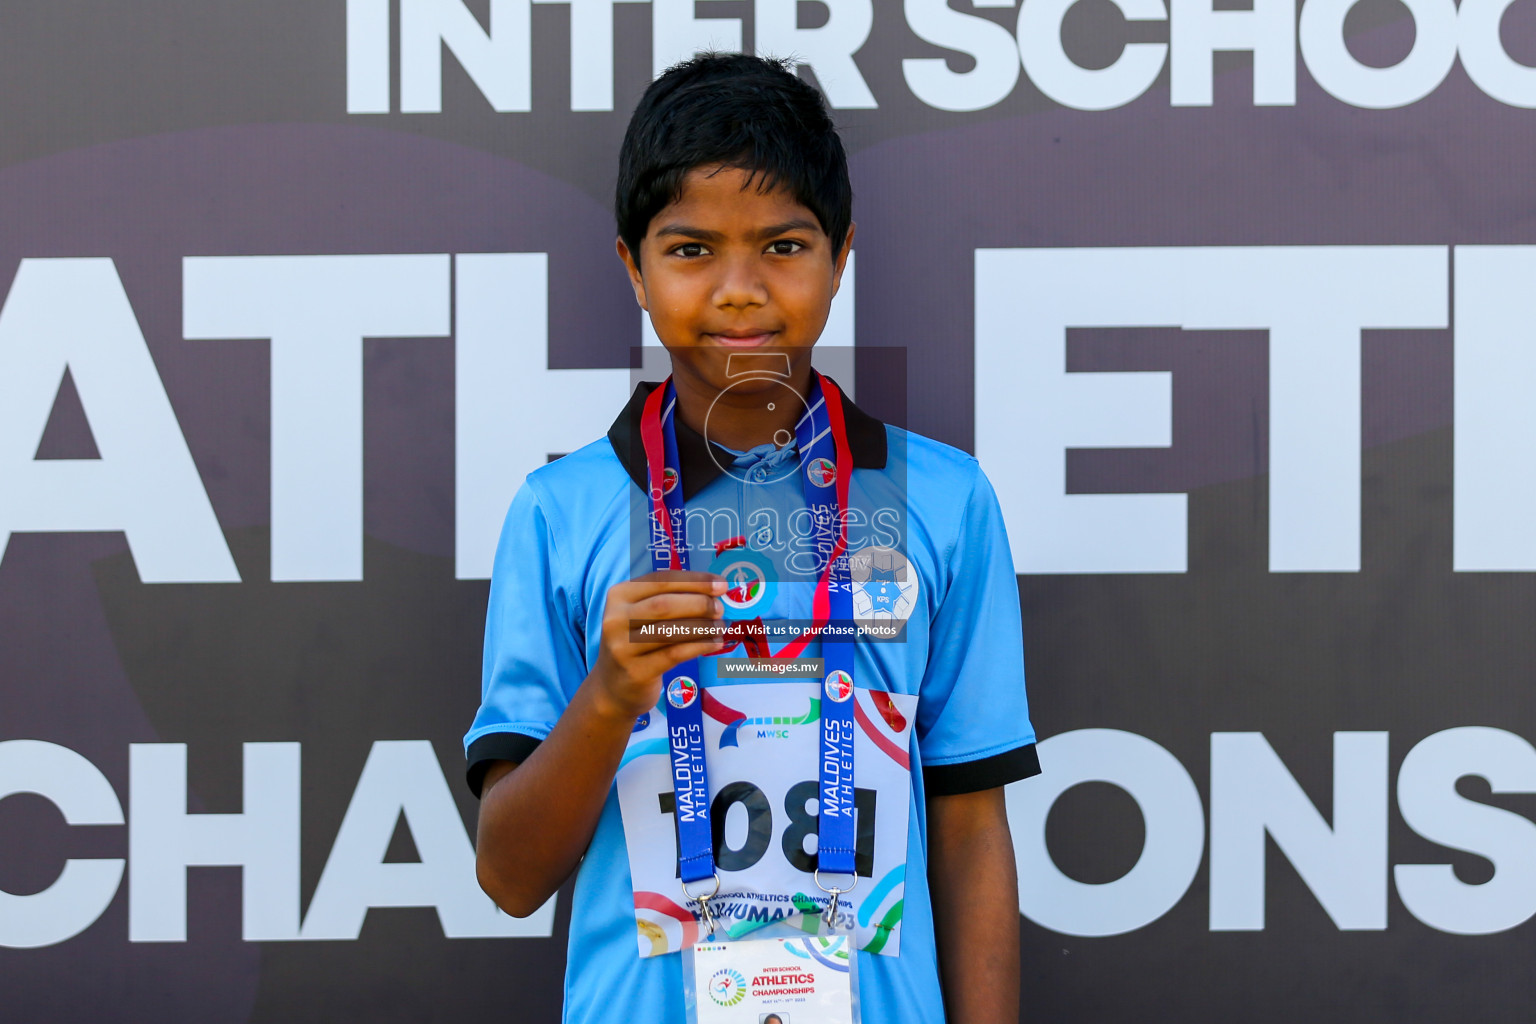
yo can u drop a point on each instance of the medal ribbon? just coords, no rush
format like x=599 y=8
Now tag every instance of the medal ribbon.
x=826 y=494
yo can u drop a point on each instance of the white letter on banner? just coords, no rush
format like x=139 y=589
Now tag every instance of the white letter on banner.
x=512 y=411
x=73 y=314
x=367 y=56
x=1427 y=798
x=1170 y=854
x=164 y=840
x=828 y=49
x=499 y=62
x=1196 y=31
x=1054 y=73
x=1483 y=55
x=404 y=777
x=1314 y=301
x=591 y=52
x=1030 y=410
x=316 y=310
x=1495 y=435
x=996 y=54
x=1342 y=76
x=1345 y=866
x=677 y=34
x=85 y=887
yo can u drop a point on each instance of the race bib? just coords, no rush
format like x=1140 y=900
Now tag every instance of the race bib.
x=761 y=747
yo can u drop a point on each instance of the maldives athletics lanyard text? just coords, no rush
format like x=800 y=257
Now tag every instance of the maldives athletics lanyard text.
x=826 y=464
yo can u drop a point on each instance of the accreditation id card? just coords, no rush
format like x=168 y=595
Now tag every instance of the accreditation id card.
x=806 y=980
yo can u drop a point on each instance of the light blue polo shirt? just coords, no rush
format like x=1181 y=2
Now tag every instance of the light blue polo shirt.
x=576 y=528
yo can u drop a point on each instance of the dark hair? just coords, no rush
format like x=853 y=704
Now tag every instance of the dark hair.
x=752 y=113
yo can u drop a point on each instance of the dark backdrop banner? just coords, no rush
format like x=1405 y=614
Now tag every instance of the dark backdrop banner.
x=1234 y=306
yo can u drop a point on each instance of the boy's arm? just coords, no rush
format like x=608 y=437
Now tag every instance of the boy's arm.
x=974 y=887
x=537 y=818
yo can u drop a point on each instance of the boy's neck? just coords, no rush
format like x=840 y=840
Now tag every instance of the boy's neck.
x=740 y=418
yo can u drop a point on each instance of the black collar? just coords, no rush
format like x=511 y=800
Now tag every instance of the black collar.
x=866 y=439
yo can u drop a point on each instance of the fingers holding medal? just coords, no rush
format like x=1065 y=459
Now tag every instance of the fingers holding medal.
x=653 y=623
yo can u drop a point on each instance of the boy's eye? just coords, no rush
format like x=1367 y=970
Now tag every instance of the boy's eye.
x=690 y=249
x=785 y=247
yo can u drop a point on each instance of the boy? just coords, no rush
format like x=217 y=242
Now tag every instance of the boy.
x=734 y=214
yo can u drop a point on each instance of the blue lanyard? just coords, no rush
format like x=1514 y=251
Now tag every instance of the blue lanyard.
x=825 y=466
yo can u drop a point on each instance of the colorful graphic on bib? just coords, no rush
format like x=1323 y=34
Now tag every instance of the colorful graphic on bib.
x=662 y=924
x=767 y=792
x=888 y=710
x=767 y=727
x=891 y=886
x=727 y=987
x=885 y=929
x=749 y=576
x=886 y=728
x=682 y=692
x=839 y=686
x=821 y=472
x=829 y=952
x=884 y=584
x=721 y=712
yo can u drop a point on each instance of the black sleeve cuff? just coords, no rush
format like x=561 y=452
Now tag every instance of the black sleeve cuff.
x=987 y=773
x=497 y=746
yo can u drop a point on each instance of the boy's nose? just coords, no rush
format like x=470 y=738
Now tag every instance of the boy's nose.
x=740 y=285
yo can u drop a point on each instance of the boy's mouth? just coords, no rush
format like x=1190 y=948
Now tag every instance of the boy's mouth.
x=744 y=339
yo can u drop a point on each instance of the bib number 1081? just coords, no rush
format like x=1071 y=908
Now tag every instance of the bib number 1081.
x=801 y=823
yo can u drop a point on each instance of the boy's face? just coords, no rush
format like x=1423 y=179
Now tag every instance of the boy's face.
x=731 y=269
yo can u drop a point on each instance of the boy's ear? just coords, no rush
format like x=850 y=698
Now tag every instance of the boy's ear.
x=840 y=259
x=632 y=265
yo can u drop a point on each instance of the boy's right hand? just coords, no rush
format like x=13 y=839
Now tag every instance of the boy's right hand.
x=628 y=673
